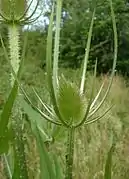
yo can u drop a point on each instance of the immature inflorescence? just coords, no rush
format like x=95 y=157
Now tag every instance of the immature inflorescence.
x=17 y=11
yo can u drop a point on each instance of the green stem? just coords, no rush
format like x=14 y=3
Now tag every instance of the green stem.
x=70 y=153
x=20 y=164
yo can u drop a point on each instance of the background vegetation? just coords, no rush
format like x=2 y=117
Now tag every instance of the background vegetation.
x=76 y=19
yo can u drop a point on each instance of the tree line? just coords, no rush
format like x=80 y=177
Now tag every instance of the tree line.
x=76 y=17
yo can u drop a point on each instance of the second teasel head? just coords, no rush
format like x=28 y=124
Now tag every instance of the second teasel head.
x=16 y=11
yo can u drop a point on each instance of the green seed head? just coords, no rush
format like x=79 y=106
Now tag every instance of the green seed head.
x=70 y=102
x=12 y=9
x=16 y=11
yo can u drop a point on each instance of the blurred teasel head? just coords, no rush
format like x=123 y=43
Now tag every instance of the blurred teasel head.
x=18 y=11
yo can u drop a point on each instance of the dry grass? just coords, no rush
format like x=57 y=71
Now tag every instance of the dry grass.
x=92 y=141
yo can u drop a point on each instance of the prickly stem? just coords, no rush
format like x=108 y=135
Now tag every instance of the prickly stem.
x=70 y=153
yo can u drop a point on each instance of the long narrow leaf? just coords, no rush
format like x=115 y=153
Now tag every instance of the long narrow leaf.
x=82 y=86
x=108 y=166
x=46 y=166
x=34 y=118
x=49 y=70
x=58 y=167
x=114 y=60
x=4 y=118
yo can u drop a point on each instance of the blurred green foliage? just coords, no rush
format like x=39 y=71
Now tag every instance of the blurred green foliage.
x=76 y=19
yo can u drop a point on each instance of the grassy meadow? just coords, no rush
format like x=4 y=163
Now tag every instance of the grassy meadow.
x=92 y=141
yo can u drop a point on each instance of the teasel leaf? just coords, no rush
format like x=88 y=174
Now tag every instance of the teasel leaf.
x=5 y=138
x=71 y=103
x=87 y=51
x=52 y=91
x=34 y=118
x=114 y=61
x=58 y=167
x=108 y=166
x=46 y=163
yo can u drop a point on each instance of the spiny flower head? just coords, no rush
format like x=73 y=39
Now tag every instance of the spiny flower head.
x=71 y=103
x=16 y=11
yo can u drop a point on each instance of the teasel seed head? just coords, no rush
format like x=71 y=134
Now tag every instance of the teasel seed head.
x=16 y=11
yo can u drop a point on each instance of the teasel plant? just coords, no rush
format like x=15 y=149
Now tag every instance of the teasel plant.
x=15 y=14
x=70 y=103
x=71 y=108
